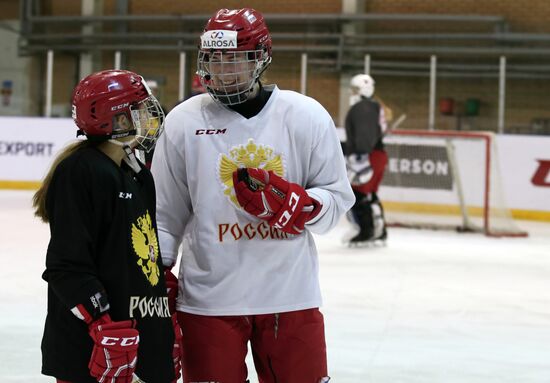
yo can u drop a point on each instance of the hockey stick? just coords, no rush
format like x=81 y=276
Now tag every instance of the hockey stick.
x=388 y=112
x=398 y=122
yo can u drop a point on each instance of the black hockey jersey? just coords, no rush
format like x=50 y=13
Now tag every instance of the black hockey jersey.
x=363 y=130
x=104 y=238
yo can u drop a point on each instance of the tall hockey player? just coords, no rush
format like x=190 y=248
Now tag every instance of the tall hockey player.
x=366 y=160
x=245 y=174
x=108 y=317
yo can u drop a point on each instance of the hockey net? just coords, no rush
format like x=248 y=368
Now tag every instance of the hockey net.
x=444 y=180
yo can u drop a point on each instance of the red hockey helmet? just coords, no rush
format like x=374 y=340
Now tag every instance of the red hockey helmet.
x=235 y=50
x=115 y=104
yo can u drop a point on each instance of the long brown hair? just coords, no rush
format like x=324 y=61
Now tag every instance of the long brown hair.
x=39 y=198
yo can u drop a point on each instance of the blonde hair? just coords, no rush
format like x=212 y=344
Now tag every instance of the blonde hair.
x=39 y=198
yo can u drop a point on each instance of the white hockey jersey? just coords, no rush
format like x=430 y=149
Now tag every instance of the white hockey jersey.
x=233 y=263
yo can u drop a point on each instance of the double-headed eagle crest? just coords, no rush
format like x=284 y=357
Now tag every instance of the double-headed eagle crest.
x=144 y=241
x=250 y=155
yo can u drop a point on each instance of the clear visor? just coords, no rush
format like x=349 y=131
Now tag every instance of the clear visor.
x=230 y=76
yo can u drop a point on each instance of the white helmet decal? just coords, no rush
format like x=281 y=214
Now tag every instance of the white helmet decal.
x=219 y=39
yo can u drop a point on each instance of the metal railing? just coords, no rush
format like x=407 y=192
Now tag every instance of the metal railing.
x=321 y=36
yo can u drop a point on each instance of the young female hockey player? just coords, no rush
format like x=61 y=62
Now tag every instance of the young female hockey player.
x=247 y=172
x=108 y=312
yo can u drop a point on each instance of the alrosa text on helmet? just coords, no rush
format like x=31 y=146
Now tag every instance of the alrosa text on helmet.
x=220 y=39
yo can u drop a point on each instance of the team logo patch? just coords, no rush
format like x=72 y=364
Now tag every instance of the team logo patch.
x=250 y=155
x=145 y=243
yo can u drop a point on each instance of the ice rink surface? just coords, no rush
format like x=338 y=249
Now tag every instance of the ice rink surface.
x=431 y=306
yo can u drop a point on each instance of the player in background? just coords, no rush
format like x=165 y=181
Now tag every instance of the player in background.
x=245 y=174
x=108 y=317
x=366 y=160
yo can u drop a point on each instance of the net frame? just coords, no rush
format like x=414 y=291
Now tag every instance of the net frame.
x=491 y=180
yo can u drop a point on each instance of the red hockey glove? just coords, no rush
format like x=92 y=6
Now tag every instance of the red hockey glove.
x=114 y=355
x=177 y=351
x=171 y=288
x=284 y=205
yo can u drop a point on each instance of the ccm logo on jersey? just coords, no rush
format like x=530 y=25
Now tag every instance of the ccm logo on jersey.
x=287 y=214
x=200 y=132
x=124 y=341
x=542 y=175
x=123 y=195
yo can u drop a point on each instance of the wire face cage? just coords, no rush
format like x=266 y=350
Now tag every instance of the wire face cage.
x=230 y=76
x=148 y=120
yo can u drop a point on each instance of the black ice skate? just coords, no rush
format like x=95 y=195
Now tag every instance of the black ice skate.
x=368 y=215
x=366 y=239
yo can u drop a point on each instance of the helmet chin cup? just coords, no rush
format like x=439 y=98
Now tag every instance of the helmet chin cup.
x=235 y=98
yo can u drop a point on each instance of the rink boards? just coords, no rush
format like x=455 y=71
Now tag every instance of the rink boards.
x=28 y=146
